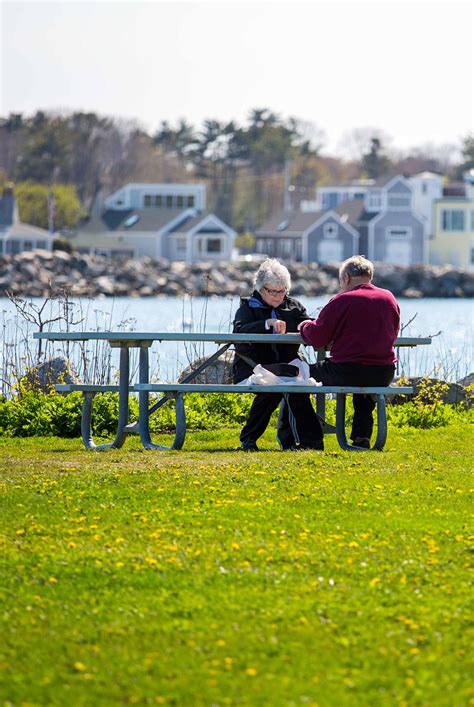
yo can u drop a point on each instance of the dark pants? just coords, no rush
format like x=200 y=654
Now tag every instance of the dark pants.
x=329 y=373
x=297 y=420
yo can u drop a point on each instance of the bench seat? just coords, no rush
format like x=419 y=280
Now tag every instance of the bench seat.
x=178 y=390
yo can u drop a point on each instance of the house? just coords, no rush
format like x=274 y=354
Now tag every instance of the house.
x=330 y=197
x=426 y=188
x=453 y=225
x=15 y=236
x=380 y=223
x=309 y=237
x=390 y=230
x=157 y=220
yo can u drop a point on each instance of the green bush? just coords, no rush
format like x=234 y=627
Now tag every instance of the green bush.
x=35 y=414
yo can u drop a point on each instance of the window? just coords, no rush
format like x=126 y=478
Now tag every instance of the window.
x=131 y=221
x=2 y=245
x=158 y=200
x=375 y=201
x=27 y=245
x=214 y=245
x=329 y=200
x=397 y=232
x=399 y=202
x=330 y=230
x=13 y=247
x=472 y=220
x=472 y=254
x=180 y=202
x=190 y=201
x=281 y=226
x=147 y=200
x=181 y=245
x=169 y=202
x=41 y=244
x=285 y=247
x=452 y=220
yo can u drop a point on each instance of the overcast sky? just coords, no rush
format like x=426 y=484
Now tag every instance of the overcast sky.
x=405 y=67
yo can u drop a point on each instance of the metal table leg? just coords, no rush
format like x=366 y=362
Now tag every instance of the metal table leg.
x=341 y=425
x=144 y=411
x=86 y=421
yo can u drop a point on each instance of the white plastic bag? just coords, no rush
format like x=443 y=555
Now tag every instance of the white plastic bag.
x=262 y=376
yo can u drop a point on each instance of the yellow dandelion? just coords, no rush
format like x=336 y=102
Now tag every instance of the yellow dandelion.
x=251 y=671
x=80 y=667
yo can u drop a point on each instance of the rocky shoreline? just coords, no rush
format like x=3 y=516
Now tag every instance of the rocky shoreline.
x=35 y=273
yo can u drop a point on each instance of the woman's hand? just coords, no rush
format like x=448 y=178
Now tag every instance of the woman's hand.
x=278 y=325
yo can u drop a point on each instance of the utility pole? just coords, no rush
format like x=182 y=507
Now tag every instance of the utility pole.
x=287 y=186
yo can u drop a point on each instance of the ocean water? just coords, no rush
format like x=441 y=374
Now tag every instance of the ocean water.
x=449 y=321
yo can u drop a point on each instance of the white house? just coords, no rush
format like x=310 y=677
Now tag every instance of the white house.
x=16 y=236
x=157 y=220
x=426 y=188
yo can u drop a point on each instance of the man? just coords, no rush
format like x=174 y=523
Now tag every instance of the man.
x=359 y=325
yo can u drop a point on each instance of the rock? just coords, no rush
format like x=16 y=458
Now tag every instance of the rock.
x=467 y=380
x=431 y=389
x=45 y=376
x=220 y=371
x=412 y=293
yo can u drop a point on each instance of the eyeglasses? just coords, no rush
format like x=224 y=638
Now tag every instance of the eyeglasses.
x=275 y=293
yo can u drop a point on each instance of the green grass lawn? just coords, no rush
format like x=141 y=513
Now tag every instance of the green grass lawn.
x=213 y=577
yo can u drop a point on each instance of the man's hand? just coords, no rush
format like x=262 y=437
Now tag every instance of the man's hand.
x=304 y=322
x=279 y=326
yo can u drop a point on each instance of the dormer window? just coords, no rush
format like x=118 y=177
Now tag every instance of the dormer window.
x=131 y=221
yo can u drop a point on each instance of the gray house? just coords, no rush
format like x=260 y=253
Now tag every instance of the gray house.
x=391 y=231
x=320 y=237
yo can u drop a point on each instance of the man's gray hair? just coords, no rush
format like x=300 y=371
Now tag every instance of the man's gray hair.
x=273 y=274
x=357 y=266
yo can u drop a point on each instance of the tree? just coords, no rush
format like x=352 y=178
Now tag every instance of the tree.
x=32 y=201
x=467 y=152
x=374 y=162
x=45 y=154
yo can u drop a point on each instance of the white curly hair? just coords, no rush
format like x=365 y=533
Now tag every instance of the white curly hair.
x=273 y=274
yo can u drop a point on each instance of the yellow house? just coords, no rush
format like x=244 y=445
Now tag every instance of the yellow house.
x=453 y=227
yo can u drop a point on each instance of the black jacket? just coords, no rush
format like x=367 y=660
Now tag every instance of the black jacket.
x=251 y=320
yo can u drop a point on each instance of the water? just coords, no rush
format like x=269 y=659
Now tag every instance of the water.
x=450 y=321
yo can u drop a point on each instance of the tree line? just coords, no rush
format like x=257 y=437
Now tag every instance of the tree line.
x=250 y=170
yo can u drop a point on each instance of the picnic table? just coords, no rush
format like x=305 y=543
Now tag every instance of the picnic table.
x=143 y=341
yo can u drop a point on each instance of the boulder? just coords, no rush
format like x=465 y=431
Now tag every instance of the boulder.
x=220 y=371
x=45 y=375
x=431 y=389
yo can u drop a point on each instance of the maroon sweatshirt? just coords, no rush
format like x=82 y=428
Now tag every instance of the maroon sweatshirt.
x=359 y=325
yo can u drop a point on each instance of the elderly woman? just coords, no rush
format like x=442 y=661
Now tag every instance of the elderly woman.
x=270 y=310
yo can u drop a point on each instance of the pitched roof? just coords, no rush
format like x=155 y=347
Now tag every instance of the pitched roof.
x=152 y=219
x=352 y=210
x=24 y=229
x=190 y=223
x=297 y=222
